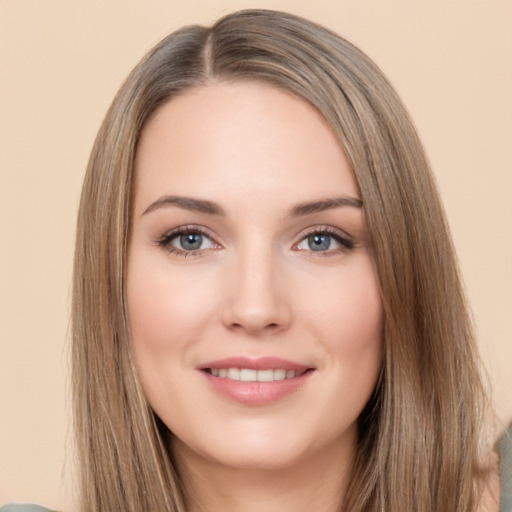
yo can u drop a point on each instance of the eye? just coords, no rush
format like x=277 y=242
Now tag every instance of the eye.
x=190 y=241
x=186 y=241
x=318 y=242
x=325 y=240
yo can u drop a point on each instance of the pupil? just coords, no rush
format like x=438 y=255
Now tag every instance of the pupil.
x=319 y=242
x=191 y=241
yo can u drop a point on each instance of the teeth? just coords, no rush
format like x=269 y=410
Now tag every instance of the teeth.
x=249 y=375
x=234 y=374
x=279 y=374
x=265 y=375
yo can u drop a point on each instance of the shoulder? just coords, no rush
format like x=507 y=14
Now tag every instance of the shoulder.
x=19 y=507
x=504 y=447
x=496 y=477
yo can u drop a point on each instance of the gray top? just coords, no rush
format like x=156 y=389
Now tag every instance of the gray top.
x=504 y=447
x=18 y=507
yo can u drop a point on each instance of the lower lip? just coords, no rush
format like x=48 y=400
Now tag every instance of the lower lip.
x=256 y=393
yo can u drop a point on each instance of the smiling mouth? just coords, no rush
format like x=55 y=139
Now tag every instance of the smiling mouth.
x=251 y=375
x=255 y=381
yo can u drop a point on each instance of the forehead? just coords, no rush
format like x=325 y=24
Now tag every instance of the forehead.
x=221 y=138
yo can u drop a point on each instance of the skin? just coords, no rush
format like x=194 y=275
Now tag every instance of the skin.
x=255 y=288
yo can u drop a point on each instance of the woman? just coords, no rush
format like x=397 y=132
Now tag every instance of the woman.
x=267 y=310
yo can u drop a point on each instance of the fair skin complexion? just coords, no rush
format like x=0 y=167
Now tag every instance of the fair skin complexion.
x=249 y=241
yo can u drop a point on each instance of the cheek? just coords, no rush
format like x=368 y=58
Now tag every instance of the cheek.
x=348 y=320
x=347 y=317
x=349 y=307
x=167 y=312
x=163 y=306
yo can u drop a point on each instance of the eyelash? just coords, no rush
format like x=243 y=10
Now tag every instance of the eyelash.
x=165 y=240
x=346 y=242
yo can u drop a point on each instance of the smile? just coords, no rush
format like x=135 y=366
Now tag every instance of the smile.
x=255 y=382
x=250 y=375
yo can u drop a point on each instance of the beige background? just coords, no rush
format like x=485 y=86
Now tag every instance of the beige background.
x=60 y=65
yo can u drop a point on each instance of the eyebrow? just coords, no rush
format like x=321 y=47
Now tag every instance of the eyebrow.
x=324 y=204
x=186 y=203
x=212 y=208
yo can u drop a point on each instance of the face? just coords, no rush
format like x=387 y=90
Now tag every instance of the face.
x=252 y=295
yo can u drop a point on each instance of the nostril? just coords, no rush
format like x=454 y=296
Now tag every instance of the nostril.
x=272 y=325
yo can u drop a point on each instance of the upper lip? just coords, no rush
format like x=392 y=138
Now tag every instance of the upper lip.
x=260 y=363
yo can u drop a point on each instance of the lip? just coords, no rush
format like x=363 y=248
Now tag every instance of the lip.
x=256 y=393
x=260 y=363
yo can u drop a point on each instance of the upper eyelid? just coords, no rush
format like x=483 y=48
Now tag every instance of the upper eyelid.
x=331 y=230
x=189 y=228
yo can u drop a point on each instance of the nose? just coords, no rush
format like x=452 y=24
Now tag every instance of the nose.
x=256 y=301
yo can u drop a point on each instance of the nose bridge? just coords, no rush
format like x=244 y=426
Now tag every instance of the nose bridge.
x=257 y=301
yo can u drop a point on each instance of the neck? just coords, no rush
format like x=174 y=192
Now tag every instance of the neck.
x=317 y=482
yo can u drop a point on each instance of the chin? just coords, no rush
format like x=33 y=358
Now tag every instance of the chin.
x=260 y=446
x=257 y=456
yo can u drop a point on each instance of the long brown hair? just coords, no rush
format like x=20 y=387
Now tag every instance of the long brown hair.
x=419 y=434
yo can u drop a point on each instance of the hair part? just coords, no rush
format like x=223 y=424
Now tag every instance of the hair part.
x=419 y=434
